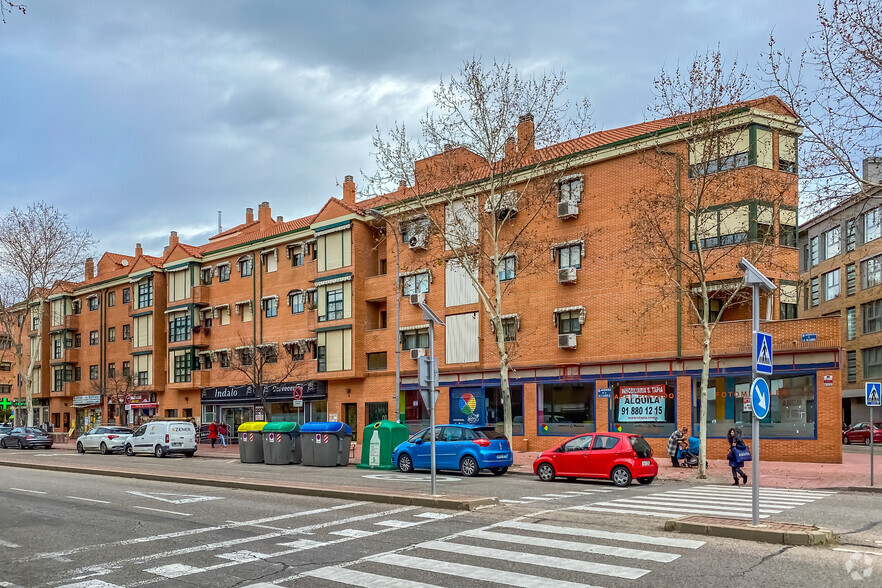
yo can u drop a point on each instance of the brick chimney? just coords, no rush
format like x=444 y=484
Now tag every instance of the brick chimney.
x=173 y=239
x=511 y=148
x=279 y=219
x=526 y=143
x=264 y=215
x=349 y=190
x=873 y=170
x=249 y=215
x=90 y=268
x=139 y=251
x=402 y=186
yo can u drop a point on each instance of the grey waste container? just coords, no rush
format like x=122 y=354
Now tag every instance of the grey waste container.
x=281 y=443
x=250 y=442
x=325 y=444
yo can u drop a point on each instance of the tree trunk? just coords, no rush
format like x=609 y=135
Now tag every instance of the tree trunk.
x=702 y=417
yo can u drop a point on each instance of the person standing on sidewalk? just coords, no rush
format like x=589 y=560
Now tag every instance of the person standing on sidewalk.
x=736 y=460
x=212 y=433
x=677 y=438
x=222 y=433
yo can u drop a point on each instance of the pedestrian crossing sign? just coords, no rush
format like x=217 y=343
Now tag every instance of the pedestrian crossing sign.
x=763 y=359
x=873 y=392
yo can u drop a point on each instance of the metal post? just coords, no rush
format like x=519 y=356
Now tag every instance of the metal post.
x=431 y=397
x=397 y=326
x=872 y=434
x=755 y=421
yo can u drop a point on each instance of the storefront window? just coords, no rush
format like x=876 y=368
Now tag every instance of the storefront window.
x=646 y=407
x=566 y=409
x=494 y=409
x=792 y=414
x=416 y=416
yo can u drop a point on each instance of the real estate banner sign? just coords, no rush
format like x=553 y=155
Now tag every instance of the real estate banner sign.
x=642 y=404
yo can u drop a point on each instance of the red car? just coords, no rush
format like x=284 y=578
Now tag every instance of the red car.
x=620 y=457
x=860 y=433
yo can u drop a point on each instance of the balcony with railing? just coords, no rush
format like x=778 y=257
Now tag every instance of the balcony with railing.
x=201 y=336
x=734 y=337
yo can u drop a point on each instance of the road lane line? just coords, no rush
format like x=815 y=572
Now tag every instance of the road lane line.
x=88 y=499
x=508 y=501
x=576 y=546
x=398 y=524
x=438 y=516
x=661 y=511
x=595 y=534
x=354 y=533
x=661 y=502
x=185 y=514
x=363 y=579
x=9 y=545
x=25 y=490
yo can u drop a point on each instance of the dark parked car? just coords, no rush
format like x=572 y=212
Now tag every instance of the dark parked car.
x=26 y=438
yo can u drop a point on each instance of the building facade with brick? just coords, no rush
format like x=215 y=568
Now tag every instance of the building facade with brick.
x=313 y=302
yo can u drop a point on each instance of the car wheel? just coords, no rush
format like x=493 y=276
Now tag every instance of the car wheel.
x=620 y=476
x=469 y=466
x=188 y=454
x=646 y=481
x=498 y=471
x=80 y=448
x=866 y=441
x=130 y=451
x=846 y=440
x=405 y=464
x=103 y=448
x=545 y=471
x=20 y=445
x=159 y=451
x=3 y=444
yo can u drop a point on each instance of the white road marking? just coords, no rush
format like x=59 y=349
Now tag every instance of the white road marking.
x=88 y=499
x=184 y=498
x=786 y=491
x=302 y=544
x=90 y=584
x=667 y=515
x=876 y=553
x=661 y=500
x=557 y=495
x=712 y=495
x=507 y=501
x=174 y=512
x=576 y=546
x=683 y=508
x=433 y=515
x=25 y=490
x=397 y=524
x=595 y=534
x=535 y=498
x=588 y=491
x=354 y=533
x=243 y=556
x=495 y=576
x=363 y=579
x=537 y=560
x=263 y=585
x=9 y=545
x=175 y=570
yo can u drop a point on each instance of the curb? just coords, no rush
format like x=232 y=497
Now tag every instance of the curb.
x=448 y=502
x=870 y=489
x=804 y=535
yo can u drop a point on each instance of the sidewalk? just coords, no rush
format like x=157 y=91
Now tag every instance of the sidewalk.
x=854 y=471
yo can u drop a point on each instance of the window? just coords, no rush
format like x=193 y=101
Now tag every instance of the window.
x=78 y=340
x=269 y=353
x=415 y=284
x=321 y=358
x=872 y=224
x=815 y=293
x=719 y=153
x=871 y=272
x=569 y=256
x=850 y=235
x=507 y=268
x=111 y=299
x=76 y=306
x=92 y=301
x=495 y=411
x=569 y=189
x=145 y=293
x=334 y=304
x=713 y=312
x=296 y=256
x=851 y=366
x=205 y=274
x=78 y=374
x=271 y=307
x=206 y=361
x=645 y=407
x=415 y=339
x=246 y=266
x=566 y=409
x=246 y=356
x=171 y=413
x=813 y=246
x=179 y=327
x=831 y=285
x=270 y=261
x=376 y=361
x=127 y=332
x=871 y=313
x=831 y=243
x=569 y=322
x=111 y=334
x=789 y=231
x=93 y=372
x=849 y=280
x=126 y=368
x=792 y=414
x=126 y=295
x=295 y=301
x=223 y=272
x=376 y=411
x=787 y=295
x=872 y=362
x=224 y=359
x=111 y=370
x=510 y=329
x=93 y=337
x=850 y=323
x=787 y=153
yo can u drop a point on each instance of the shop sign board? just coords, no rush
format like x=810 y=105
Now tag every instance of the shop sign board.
x=87 y=400
x=642 y=404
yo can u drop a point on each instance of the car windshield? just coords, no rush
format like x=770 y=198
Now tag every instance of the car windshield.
x=640 y=446
x=33 y=431
x=5 y=429
x=490 y=433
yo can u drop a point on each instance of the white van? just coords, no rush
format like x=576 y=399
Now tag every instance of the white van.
x=163 y=437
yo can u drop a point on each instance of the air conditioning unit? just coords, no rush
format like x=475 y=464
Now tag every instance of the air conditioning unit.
x=567 y=209
x=417 y=298
x=418 y=241
x=505 y=205
x=566 y=341
x=417 y=353
x=566 y=275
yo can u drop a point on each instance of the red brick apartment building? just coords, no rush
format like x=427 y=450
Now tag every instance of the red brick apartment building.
x=322 y=290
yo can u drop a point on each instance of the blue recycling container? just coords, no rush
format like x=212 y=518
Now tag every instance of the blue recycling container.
x=325 y=444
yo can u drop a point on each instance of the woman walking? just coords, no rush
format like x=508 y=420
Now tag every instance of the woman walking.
x=738 y=454
x=222 y=433
x=212 y=433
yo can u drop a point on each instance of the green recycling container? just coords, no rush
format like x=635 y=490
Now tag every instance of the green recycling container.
x=250 y=442
x=379 y=440
x=281 y=443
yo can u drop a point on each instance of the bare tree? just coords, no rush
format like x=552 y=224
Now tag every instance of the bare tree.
x=694 y=184
x=118 y=388
x=263 y=366
x=835 y=86
x=6 y=6
x=476 y=180
x=38 y=247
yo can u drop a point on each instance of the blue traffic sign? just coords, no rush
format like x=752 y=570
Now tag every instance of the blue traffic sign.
x=873 y=392
x=763 y=359
x=760 y=398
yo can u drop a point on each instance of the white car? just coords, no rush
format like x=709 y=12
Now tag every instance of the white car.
x=104 y=439
x=163 y=437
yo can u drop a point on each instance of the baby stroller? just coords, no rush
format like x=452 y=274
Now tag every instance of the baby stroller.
x=689 y=456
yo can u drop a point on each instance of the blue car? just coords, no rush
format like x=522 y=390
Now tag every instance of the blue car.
x=467 y=448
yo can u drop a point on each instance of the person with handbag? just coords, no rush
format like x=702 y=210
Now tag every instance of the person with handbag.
x=738 y=454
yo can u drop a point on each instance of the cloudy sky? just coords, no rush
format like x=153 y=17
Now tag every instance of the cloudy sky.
x=142 y=117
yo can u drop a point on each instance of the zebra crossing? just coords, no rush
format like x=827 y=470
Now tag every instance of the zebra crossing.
x=713 y=500
x=556 y=496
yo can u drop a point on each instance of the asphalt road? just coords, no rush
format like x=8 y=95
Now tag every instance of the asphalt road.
x=85 y=531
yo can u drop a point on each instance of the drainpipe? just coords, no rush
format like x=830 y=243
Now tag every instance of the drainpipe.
x=679 y=208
